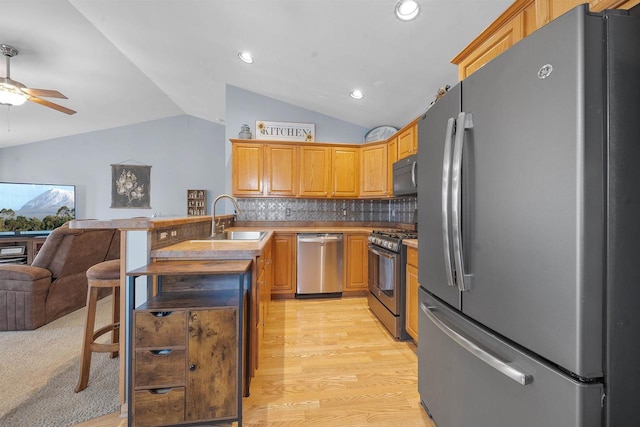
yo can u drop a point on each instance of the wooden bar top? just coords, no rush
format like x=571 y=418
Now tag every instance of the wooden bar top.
x=138 y=223
x=190 y=267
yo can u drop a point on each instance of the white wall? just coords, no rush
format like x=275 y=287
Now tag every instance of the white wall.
x=183 y=152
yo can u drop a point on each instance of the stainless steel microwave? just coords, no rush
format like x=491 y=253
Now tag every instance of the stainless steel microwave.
x=405 y=176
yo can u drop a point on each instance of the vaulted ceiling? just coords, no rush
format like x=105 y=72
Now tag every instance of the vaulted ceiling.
x=127 y=61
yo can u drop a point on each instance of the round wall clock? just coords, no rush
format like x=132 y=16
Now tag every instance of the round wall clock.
x=379 y=133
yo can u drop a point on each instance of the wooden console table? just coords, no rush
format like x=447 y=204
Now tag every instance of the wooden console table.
x=189 y=345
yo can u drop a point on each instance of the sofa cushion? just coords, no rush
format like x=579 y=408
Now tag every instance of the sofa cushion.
x=24 y=278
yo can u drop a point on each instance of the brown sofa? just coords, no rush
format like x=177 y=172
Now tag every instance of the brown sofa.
x=55 y=283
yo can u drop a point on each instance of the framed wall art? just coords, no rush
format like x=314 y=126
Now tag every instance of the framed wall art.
x=130 y=186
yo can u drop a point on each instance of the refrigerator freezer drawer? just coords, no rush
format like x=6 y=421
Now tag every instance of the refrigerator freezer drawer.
x=468 y=377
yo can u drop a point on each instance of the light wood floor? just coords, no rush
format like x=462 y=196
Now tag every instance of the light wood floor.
x=327 y=362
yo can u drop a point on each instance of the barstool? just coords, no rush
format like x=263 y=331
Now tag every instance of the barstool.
x=103 y=275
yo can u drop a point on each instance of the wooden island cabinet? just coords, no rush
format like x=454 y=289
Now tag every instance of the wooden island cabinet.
x=187 y=344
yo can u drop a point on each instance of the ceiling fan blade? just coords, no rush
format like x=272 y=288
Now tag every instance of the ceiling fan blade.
x=51 y=105
x=47 y=93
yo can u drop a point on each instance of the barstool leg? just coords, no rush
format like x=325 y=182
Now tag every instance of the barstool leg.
x=85 y=359
x=115 y=319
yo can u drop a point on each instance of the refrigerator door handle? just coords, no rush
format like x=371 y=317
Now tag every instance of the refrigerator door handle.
x=413 y=174
x=499 y=365
x=446 y=173
x=464 y=122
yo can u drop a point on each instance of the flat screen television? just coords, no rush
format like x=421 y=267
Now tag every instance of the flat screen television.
x=35 y=209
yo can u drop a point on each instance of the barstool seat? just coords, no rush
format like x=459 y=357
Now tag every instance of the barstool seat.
x=103 y=275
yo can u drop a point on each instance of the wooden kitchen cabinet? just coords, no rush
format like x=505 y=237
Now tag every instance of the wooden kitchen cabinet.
x=355 y=261
x=329 y=171
x=374 y=167
x=315 y=171
x=281 y=170
x=264 y=169
x=521 y=19
x=408 y=141
x=247 y=160
x=345 y=169
x=284 y=265
x=412 y=294
x=392 y=157
x=184 y=364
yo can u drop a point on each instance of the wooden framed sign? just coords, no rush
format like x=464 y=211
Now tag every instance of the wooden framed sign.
x=285 y=131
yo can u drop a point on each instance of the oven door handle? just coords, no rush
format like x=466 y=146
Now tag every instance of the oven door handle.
x=379 y=253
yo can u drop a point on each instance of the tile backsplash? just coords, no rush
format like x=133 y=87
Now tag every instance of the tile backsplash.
x=351 y=210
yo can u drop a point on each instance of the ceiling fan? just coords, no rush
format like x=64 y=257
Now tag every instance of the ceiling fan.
x=13 y=92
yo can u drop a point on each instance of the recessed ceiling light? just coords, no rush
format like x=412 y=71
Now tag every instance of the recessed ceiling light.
x=356 y=94
x=245 y=57
x=407 y=9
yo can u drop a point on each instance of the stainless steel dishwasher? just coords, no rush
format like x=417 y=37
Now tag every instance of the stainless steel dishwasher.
x=319 y=267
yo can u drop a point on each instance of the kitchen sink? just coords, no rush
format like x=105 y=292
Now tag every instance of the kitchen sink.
x=243 y=236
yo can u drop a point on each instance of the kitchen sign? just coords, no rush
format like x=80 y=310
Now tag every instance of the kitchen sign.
x=283 y=131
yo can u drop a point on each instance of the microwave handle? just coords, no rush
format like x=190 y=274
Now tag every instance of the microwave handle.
x=413 y=174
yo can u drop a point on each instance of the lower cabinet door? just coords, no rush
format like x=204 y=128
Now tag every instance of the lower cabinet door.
x=159 y=407
x=212 y=369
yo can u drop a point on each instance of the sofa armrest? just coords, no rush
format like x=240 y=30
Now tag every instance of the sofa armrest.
x=24 y=278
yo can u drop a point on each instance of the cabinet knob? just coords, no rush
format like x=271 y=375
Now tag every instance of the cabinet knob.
x=192 y=368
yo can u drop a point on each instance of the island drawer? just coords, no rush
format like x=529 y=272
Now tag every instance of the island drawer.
x=159 y=368
x=159 y=329
x=159 y=406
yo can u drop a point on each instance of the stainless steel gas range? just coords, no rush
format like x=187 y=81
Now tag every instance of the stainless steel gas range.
x=387 y=271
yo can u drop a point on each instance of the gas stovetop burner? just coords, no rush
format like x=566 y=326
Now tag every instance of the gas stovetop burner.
x=391 y=239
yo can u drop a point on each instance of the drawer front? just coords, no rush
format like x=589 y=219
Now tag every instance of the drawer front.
x=158 y=407
x=159 y=368
x=159 y=329
x=412 y=257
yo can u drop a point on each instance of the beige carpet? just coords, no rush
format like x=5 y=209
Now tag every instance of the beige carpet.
x=40 y=371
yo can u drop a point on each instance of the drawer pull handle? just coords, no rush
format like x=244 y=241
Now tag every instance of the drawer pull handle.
x=192 y=368
x=160 y=390
x=161 y=313
x=160 y=352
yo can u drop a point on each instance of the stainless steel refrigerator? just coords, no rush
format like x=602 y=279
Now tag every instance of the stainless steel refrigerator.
x=529 y=233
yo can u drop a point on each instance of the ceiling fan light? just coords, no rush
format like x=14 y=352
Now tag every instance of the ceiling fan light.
x=11 y=95
x=407 y=10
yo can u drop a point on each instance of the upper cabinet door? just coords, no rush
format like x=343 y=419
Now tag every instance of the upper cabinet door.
x=247 y=169
x=374 y=171
x=315 y=171
x=281 y=163
x=346 y=172
x=407 y=142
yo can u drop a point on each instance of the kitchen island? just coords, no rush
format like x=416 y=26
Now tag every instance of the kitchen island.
x=272 y=271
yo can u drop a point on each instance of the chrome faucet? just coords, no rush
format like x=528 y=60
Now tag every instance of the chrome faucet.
x=214 y=224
